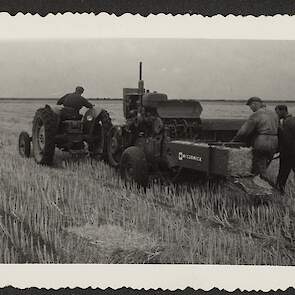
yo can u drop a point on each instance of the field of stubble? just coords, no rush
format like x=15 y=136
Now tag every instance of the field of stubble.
x=81 y=212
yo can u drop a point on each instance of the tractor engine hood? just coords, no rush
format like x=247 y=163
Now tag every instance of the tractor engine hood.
x=179 y=108
x=56 y=109
x=93 y=113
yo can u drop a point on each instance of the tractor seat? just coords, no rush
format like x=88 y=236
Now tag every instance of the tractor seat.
x=68 y=113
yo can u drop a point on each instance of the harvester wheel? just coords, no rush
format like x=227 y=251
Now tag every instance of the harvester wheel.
x=101 y=128
x=24 y=144
x=133 y=166
x=114 y=146
x=43 y=135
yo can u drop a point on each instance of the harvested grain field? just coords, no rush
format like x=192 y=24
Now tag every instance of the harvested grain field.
x=80 y=211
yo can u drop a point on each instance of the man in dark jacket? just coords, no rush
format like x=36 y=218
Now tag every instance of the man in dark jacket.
x=73 y=102
x=260 y=131
x=286 y=146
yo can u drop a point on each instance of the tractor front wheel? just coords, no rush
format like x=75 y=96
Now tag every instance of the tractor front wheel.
x=24 y=144
x=133 y=166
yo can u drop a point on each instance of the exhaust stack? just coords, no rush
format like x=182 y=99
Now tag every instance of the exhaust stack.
x=140 y=82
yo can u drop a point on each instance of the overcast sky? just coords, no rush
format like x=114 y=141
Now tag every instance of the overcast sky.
x=191 y=56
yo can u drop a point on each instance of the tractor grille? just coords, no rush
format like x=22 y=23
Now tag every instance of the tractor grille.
x=72 y=126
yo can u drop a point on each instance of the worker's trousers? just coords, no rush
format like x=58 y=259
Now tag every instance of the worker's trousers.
x=261 y=161
x=287 y=163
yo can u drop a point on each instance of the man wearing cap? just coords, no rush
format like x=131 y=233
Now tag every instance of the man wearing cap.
x=73 y=102
x=261 y=132
x=286 y=146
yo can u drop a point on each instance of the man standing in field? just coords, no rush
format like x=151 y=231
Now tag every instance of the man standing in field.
x=286 y=146
x=261 y=132
x=75 y=101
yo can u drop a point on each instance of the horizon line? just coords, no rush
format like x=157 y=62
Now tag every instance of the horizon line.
x=119 y=99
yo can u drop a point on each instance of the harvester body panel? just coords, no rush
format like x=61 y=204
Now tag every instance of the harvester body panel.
x=199 y=157
x=214 y=160
x=186 y=109
x=153 y=99
x=222 y=130
x=217 y=124
x=188 y=155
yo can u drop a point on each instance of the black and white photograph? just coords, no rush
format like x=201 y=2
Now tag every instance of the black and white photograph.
x=166 y=140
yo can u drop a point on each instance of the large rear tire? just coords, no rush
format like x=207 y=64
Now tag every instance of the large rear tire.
x=115 y=146
x=43 y=135
x=24 y=144
x=102 y=127
x=133 y=166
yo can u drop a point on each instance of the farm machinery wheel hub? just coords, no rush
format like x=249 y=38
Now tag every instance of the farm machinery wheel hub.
x=22 y=147
x=41 y=137
x=24 y=144
x=114 y=145
x=129 y=171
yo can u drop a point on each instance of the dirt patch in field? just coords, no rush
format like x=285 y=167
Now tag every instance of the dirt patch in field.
x=120 y=245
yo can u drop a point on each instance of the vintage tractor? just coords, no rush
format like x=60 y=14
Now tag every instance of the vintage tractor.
x=169 y=137
x=55 y=126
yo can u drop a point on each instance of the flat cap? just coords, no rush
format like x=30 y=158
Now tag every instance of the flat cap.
x=253 y=99
x=281 y=107
x=79 y=88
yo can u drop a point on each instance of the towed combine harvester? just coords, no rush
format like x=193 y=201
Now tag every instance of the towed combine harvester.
x=168 y=137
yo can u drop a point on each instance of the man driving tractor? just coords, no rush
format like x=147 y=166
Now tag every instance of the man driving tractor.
x=73 y=102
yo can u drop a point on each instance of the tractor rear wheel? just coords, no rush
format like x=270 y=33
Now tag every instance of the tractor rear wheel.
x=24 y=144
x=102 y=127
x=133 y=166
x=115 y=146
x=43 y=135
